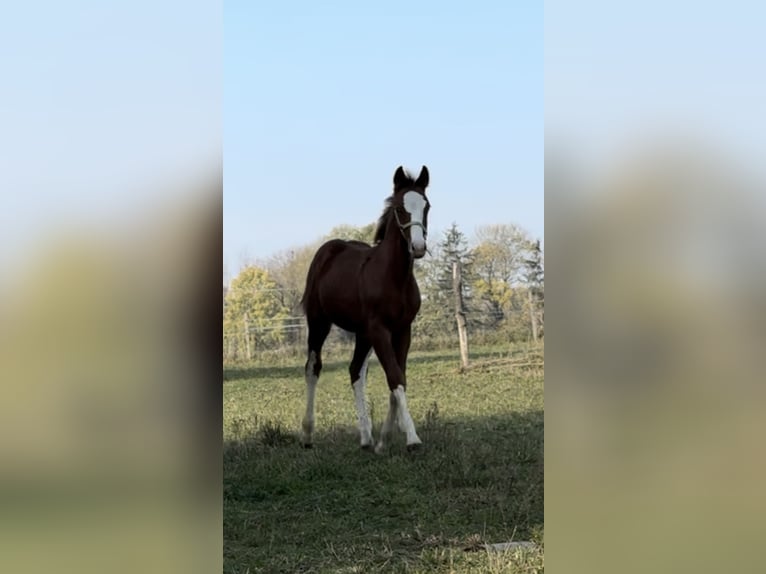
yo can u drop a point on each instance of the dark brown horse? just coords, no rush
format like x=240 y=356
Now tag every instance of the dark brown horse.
x=371 y=291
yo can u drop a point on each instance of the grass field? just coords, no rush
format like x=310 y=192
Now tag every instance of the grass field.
x=478 y=480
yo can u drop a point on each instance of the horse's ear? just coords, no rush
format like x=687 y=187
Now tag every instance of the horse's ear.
x=400 y=178
x=422 y=180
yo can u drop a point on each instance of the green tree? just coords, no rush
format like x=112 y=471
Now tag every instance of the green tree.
x=454 y=248
x=431 y=321
x=365 y=233
x=498 y=266
x=503 y=249
x=254 y=315
x=289 y=269
x=434 y=274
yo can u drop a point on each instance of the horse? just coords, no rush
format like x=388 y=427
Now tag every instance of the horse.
x=371 y=291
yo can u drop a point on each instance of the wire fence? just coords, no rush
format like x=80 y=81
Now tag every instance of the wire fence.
x=249 y=338
x=287 y=336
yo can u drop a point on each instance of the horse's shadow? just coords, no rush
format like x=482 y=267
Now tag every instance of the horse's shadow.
x=481 y=474
x=240 y=373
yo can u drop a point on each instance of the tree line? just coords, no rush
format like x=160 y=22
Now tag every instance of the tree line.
x=501 y=282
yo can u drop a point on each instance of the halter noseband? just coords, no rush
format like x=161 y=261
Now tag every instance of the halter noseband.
x=403 y=226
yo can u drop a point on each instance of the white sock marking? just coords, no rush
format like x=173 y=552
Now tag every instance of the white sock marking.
x=405 y=420
x=311 y=386
x=365 y=425
x=397 y=411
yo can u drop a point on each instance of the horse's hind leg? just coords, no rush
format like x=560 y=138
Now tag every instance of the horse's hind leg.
x=318 y=331
x=357 y=370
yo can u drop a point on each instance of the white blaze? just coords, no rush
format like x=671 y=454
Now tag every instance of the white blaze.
x=415 y=204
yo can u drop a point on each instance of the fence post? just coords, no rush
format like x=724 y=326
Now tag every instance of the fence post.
x=457 y=288
x=533 y=312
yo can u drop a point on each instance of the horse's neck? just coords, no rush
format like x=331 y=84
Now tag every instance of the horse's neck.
x=395 y=254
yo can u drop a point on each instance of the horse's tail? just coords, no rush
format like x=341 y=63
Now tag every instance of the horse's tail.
x=311 y=282
x=321 y=259
x=304 y=299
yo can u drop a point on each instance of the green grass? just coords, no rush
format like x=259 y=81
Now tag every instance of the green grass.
x=335 y=508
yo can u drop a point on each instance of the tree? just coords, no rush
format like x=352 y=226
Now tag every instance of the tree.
x=498 y=265
x=432 y=320
x=254 y=314
x=534 y=279
x=289 y=269
x=501 y=250
x=435 y=277
x=454 y=248
x=365 y=233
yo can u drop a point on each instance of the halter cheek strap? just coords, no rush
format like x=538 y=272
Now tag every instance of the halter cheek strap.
x=403 y=226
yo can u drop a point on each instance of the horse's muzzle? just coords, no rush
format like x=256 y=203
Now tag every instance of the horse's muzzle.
x=418 y=253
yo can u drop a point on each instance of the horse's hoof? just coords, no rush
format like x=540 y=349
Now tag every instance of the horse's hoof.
x=308 y=445
x=367 y=448
x=415 y=447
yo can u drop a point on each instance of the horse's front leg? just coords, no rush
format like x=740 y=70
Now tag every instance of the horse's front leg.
x=389 y=349
x=401 y=344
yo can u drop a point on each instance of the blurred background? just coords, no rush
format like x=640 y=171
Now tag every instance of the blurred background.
x=110 y=222
x=656 y=286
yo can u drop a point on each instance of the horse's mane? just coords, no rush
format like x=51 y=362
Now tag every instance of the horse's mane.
x=380 y=228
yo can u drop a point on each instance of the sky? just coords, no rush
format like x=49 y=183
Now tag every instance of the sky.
x=623 y=74
x=323 y=100
x=102 y=104
x=313 y=106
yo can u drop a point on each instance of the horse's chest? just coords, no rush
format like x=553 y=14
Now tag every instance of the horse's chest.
x=402 y=309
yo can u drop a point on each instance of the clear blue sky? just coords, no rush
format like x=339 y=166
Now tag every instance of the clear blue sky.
x=323 y=100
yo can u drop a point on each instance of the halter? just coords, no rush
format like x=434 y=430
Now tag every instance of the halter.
x=403 y=226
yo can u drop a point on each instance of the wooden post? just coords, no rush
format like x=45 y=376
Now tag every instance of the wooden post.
x=457 y=288
x=533 y=313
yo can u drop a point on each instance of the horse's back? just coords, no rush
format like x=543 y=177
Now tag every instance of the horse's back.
x=337 y=249
x=333 y=271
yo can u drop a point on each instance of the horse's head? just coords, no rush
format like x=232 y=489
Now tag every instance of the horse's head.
x=410 y=206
